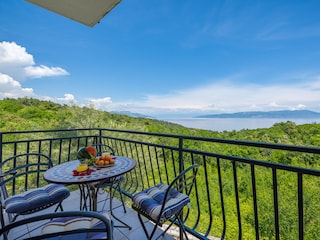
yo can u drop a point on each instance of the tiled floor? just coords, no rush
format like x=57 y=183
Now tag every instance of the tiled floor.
x=119 y=233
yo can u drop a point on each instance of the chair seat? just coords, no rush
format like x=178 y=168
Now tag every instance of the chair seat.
x=36 y=199
x=150 y=202
x=75 y=222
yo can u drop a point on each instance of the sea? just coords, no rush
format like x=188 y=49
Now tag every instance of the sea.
x=237 y=124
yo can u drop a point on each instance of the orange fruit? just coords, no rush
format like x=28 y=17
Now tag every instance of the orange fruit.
x=101 y=163
x=106 y=162
x=97 y=161
x=111 y=161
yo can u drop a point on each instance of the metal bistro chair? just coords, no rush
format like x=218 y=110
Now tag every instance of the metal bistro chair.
x=67 y=225
x=112 y=184
x=22 y=187
x=165 y=202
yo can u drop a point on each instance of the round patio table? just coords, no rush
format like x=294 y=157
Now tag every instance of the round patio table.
x=63 y=174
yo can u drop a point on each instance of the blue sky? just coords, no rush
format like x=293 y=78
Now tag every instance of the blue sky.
x=168 y=57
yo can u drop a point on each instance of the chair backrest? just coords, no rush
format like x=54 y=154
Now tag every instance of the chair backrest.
x=22 y=172
x=184 y=181
x=99 y=223
x=101 y=148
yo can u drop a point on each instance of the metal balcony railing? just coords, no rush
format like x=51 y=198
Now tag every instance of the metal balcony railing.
x=240 y=192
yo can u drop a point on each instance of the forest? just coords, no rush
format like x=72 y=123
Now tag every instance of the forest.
x=31 y=114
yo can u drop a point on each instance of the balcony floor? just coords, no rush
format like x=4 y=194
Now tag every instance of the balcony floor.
x=119 y=233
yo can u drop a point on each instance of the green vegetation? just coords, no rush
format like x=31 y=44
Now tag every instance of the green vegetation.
x=32 y=114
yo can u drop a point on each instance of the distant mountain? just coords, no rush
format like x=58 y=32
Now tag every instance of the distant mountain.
x=131 y=114
x=271 y=114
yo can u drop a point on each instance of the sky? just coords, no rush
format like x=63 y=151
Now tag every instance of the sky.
x=166 y=58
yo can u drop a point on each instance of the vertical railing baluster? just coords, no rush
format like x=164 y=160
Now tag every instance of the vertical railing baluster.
x=26 y=182
x=235 y=180
x=165 y=164
x=158 y=163
x=254 y=198
x=222 y=200
x=60 y=151
x=1 y=150
x=275 y=203
x=206 y=175
x=300 y=206
x=181 y=163
x=181 y=168
x=69 y=149
x=151 y=165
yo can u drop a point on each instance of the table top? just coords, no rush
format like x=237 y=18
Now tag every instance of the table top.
x=63 y=173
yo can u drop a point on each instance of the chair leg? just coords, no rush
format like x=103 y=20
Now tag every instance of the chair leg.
x=59 y=206
x=5 y=236
x=111 y=191
x=182 y=228
x=124 y=225
x=1 y=217
x=149 y=237
x=121 y=197
x=180 y=224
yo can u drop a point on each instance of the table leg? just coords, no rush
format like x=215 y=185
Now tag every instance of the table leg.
x=88 y=193
x=112 y=191
x=93 y=191
x=83 y=197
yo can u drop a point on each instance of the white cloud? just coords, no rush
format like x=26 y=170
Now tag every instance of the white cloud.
x=273 y=104
x=68 y=98
x=11 y=53
x=44 y=71
x=10 y=88
x=230 y=96
x=299 y=107
x=16 y=62
x=100 y=103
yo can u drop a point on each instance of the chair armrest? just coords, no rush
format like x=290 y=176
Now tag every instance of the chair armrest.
x=107 y=224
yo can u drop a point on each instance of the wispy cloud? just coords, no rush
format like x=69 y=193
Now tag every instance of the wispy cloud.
x=44 y=71
x=226 y=96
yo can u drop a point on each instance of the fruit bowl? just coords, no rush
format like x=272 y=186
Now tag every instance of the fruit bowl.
x=105 y=160
x=104 y=166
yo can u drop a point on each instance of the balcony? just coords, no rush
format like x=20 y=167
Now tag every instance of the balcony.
x=240 y=193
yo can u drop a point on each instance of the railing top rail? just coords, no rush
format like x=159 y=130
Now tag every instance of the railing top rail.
x=306 y=149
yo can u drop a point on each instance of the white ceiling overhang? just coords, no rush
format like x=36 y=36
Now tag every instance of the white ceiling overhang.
x=88 y=12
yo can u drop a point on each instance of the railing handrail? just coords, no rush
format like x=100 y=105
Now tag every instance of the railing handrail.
x=306 y=149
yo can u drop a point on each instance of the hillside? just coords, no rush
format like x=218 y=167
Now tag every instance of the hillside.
x=31 y=114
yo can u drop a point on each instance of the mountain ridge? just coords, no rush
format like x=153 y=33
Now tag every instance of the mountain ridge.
x=269 y=114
